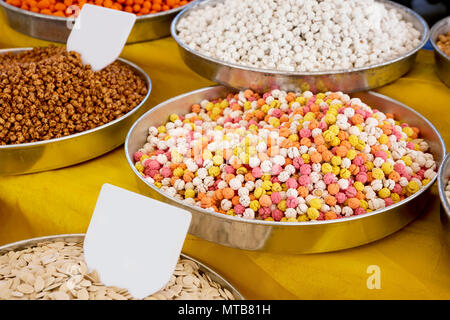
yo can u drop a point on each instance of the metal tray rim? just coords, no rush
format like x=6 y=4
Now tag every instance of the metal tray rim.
x=31 y=241
x=424 y=38
x=270 y=223
x=43 y=142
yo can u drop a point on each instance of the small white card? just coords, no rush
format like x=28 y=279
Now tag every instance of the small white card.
x=134 y=242
x=99 y=35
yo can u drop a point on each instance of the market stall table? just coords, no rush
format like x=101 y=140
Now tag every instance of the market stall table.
x=413 y=262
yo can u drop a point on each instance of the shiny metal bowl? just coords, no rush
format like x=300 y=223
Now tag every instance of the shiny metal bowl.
x=76 y=148
x=24 y=244
x=353 y=80
x=443 y=178
x=57 y=29
x=288 y=237
x=442 y=60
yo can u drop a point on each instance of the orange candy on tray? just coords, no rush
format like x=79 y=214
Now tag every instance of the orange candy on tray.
x=67 y=8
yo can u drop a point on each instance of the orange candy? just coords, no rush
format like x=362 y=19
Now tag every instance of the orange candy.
x=60 y=7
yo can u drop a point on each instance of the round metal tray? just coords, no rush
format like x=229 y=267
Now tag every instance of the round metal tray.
x=76 y=148
x=442 y=60
x=288 y=237
x=79 y=237
x=443 y=178
x=57 y=29
x=353 y=80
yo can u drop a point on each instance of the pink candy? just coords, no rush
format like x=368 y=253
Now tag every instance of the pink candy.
x=351 y=192
x=305 y=133
x=292 y=202
x=137 y=156
x=277 y=214
x=166 y=172
x=329 y=178
x=239 y=209
x=276 y=169
x=264 y=212
x=340 y=197
x=305 y=169
x=152 y=164
x=257 y=172
x=304 y=180
x=361 y=177
x=291 y=183
x=275 y=197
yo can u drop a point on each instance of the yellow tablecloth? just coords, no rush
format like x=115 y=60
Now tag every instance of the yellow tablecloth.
x=414 y=262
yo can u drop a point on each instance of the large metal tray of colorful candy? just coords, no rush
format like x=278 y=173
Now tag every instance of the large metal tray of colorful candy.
x=289 y=237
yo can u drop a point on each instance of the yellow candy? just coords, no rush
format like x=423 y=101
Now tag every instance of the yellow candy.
x=267 y=185
x=303 y=218
x=305 y=157
x=291 y=219
x=258 y=192
x=384 y=193
x=178 y=172
x=377 y=173
x=274 y=122
x=315 y=203
x=387 y=167
x=161 y=129
x=364 y=204
x=247 y=105
x=336 y=160
x=383 y=139
x=284 y=219
x=336 y=170
x=158 y=184
x=265 y=108
x=143 y=157
x=326 y=167
x=328 y=135
x=407 y=160
x=266 y=177
x=217 y=160
x=345 y=173
x=409 y=132
x=413 y=187
x=369 y=165
x=209 y=106
x=230 y=212
x=309 y=116
x=395 y=197
x=425 y=182
x=276 y=187
x=244 y=158
x=242 y=170
x=334 y=128
x=351 y=154
x=254 y=205
x=224 y=104
x=353 y=140
x=335 y=141
x=268 y=219
x=139 y=167
x=330 y=118
x=282 y=205
x=312 y=213
x=320 y=96
x=293 y=137
x=301 y=100
x=214 y=171
x=359 y=186
x=189 y=193
x=173 y=117
x=207 y=155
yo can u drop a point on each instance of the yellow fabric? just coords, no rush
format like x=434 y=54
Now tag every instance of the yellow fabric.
x=414 y=262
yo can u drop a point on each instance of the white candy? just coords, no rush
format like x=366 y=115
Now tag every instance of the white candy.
x=302 y=35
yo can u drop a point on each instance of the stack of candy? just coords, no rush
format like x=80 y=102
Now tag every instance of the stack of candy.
x=286 y=157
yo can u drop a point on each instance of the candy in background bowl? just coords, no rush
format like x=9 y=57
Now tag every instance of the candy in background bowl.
x=65 y=151
x=442 y=60
x=289 y=237
x=24 y=244
x=51 y=28
x=261 y=80
x=443 y=178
